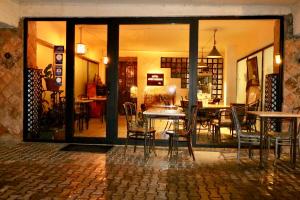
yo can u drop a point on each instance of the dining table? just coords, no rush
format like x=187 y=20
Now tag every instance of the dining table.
x=101 y=101
x=264 y=116
x=161 y=112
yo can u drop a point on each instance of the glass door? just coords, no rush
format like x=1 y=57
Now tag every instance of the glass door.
x=152 y=70
x=90 y=89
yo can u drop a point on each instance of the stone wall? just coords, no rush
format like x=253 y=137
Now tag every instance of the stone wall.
x=11 y=84
x=291 y=90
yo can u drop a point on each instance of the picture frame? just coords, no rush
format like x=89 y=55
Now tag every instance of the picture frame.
x=252 y=71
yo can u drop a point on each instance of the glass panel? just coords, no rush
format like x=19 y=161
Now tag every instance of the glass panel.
x=159 y=52
x=46 y=41
x=90 y=91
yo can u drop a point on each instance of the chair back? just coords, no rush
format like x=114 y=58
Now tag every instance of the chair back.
x=236 y=122
x=130 y=113
x=192 y=119
x=240 y=110
x=252 y=107
x=185 y=105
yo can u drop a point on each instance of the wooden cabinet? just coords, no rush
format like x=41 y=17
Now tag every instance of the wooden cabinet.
x=127 y=78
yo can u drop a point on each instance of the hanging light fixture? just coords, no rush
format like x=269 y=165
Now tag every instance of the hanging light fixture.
x=201 y=64
x=80 y=47
x=214 y=53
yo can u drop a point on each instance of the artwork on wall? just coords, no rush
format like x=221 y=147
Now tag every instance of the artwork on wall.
x=155 y=79
x=252 y=72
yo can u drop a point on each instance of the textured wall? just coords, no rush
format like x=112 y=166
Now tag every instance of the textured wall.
x=11 y=84
x=291 y=91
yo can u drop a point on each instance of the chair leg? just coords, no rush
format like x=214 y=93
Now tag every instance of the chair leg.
x=239 y=151
x=126 y=143
x=191 y=150
x=170 y=145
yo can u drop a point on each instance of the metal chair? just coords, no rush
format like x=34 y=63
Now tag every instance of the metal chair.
x=135 y=126
x=244 y=138
x=284 y=138
x=184 y=135
x=250 y=123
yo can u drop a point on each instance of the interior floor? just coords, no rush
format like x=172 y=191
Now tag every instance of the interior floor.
x=97 y=128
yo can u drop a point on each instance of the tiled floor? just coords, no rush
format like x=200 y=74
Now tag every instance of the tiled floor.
x=42 y=171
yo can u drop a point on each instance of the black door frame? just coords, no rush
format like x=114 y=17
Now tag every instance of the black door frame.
x=112 y=68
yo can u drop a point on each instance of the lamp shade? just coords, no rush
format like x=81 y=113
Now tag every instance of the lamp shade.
x=80 y=48
x=214 y=53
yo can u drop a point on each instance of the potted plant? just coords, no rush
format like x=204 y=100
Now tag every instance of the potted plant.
x=50 y=79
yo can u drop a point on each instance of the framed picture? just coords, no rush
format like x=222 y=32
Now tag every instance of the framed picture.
x=252 y=72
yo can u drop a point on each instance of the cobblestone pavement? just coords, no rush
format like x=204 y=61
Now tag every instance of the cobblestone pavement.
x=42 y=171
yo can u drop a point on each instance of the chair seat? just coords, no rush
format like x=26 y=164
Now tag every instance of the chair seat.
x=281 y=135
x=140 y=130
x=180 y=133
x=250 y=135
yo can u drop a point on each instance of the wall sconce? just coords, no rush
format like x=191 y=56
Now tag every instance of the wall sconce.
x=80 y=47
x=133 y=91
x=278 y=59
x=105 y=60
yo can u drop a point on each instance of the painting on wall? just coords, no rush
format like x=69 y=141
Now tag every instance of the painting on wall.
x=252 y=72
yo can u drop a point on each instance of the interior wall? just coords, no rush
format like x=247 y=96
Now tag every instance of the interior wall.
x=229 y=87
x=53 y=33
x=149 y=62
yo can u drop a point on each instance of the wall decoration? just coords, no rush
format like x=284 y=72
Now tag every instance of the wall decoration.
x=252 y=72
x=155 y=79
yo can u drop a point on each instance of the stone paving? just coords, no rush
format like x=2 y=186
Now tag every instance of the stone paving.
x=42 y=171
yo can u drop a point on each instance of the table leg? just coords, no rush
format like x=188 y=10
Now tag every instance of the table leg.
x=262 y=133
x=294 y=151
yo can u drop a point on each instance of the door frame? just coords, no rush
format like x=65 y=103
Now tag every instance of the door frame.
x=112 y=68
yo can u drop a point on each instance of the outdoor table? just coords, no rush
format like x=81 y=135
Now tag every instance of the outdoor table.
x=161 y=113
x=264 y=115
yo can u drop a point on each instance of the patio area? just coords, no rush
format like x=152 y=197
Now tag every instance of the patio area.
x=42 y=171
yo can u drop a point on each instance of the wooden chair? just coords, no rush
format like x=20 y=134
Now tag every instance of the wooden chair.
x=135 y=128
x=184 y=135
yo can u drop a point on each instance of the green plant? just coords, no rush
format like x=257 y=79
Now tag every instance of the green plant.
x=48 y=71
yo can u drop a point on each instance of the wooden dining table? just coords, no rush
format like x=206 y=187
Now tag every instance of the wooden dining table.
x=264 y=115
x=161 y=113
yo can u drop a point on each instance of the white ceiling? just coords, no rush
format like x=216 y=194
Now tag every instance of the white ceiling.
x=188 y=2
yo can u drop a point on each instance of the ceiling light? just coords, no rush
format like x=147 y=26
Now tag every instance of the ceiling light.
x=214 y=53
x=80 y=47
x=201 y=64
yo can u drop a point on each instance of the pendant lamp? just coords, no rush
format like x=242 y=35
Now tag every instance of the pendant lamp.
x=201 y=64
x=214 y=53
x=80 y=47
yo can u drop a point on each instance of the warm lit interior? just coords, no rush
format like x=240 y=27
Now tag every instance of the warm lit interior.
x=141 y=51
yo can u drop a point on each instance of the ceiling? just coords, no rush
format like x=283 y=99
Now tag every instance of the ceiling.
x=240 y=34
x=186 y=2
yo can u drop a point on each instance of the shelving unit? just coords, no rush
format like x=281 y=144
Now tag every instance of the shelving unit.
x=179 y=69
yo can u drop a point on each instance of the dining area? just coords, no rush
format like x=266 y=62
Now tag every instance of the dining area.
x=249 y=129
